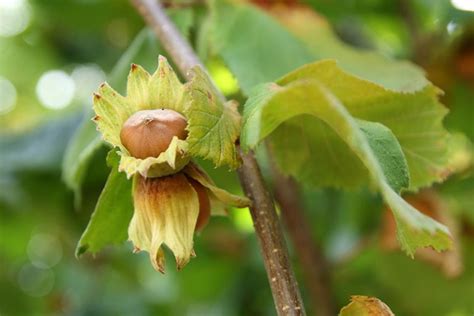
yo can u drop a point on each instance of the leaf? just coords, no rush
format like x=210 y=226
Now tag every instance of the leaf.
x=294 y=36
x=365 y=306
x=255 y=58
x=322 y=42
x=414 y=118
x=213 y=126
x=389 y=153
x=253 y=45
x=112 y=214
x=39 y=149
x=314 y=91
x=78 y=153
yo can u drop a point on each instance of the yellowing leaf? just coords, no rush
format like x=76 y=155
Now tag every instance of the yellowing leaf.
x=365 y=306
x=312 y=99
x=414 y=118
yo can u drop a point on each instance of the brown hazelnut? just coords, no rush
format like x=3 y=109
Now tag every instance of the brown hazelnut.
x=148 y=133
x=204 y=204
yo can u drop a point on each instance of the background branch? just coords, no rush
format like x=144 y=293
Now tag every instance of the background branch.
x=315 y=268
x=272 y=245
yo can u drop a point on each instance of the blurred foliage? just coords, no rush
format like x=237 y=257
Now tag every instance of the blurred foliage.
x=40 y=224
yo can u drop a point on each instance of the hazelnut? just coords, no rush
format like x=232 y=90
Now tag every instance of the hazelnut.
x=204 y=204
x=148 y=133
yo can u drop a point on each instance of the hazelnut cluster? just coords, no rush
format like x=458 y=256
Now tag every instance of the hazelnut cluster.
x=156 y=129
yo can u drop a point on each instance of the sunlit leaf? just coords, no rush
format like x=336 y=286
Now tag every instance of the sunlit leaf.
x=342 y=145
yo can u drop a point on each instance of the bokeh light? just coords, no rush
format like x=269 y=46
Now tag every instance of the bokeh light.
x=44 y=251
x=14 y=17
x=451 y=27
x=465 y=5
x=87 y=78
x=8 y=96
x=55 y=89
x=35 y=281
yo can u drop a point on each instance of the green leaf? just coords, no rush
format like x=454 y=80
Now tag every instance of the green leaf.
x=322 y=42
x=388 y=152
x=254 y=46
x=79 y=151
x=414 y=118
x=112 y=214
x=341 y=144
x=213 y=126
x=255 y=58
x=291 y=38
x=365 y=306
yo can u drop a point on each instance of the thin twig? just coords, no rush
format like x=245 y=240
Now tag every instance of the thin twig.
x=282 y=281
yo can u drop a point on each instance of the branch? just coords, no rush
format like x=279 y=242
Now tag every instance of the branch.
x=312 y=260
x=283 y=284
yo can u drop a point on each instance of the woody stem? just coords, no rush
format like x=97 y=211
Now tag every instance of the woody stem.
x=282 y=281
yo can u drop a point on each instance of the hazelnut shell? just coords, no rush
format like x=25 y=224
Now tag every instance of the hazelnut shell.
x=148 y=133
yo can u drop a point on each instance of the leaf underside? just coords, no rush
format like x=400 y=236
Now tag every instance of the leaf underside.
x=323 y=129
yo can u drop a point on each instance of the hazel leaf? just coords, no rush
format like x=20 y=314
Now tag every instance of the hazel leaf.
x=253 y=56
x=213 y=126
x=80 y=150
x=109 y=222
x=310 y=98
x=414 y=118
x=322 y=42
x=288 y=38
